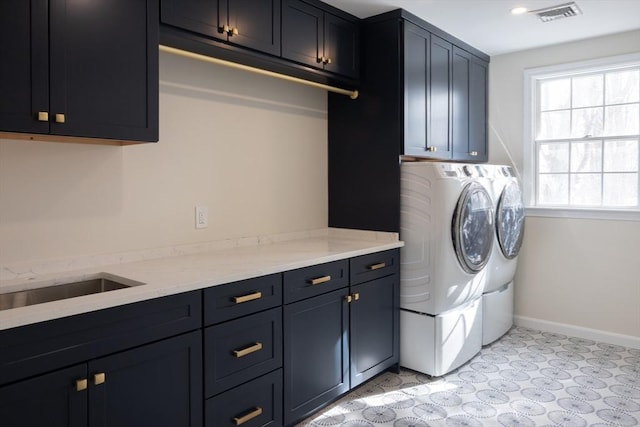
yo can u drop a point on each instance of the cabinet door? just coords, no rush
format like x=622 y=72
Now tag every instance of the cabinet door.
x=49 y=400
x=316 y=353
x=104 y=69
x=158 y=384
x=374 y=327
x=469 y=106
x=341 y=46
x=302 y=33
x=24 y=73
x=257 y=24
x=199 y=16
x=440 y=99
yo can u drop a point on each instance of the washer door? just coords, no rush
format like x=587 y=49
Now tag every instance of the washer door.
x=472 y=228
x=510 y=220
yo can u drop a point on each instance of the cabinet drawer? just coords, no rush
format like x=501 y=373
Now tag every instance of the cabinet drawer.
x=254 y=404
x=315 y=280
x=237 y=299
x=242 y=349
x=373 y=266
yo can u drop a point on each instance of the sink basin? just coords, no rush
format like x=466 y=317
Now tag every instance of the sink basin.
x=64 y=291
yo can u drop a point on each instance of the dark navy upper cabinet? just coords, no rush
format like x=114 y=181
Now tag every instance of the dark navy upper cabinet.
x=315 y=35
x=85 y=69
x=247 y=23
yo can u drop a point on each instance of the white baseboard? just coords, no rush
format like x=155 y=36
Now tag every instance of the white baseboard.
x=578 y=331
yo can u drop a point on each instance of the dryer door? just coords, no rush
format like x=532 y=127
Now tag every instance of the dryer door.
x=472 y=228
x=510 y=220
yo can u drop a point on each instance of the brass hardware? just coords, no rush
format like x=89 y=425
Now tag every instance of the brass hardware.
x=377 y=266
x=353 y=94
x=327 y=60
x=248 y=297
x=348 y=298
x=473 y=153
x=225 y=29
x=251 y=349
x=98 y=378
x=81 y=384
x=321 y=60
x=59 y=118
x=318 y=280
x=356 y=296
x=247 y=417
x=432 y=149
x=234 y=32
x=43 y=116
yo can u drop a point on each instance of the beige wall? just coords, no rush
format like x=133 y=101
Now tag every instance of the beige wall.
x=583 y=273
x=251 y=148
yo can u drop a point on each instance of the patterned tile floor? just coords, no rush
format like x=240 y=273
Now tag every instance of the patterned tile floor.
x=527 y=378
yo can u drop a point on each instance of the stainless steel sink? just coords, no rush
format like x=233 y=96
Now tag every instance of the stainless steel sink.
x=60 y=292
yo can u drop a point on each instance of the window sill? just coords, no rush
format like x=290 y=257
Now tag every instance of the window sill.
x=580 y=213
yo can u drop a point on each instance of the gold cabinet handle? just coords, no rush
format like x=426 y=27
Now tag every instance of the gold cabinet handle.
x=318 y=280
x=321 y=60
x=225 y=29
x=348 y=298
x=356 y=296
x=43 y=116
x=377 y=266
x=473 y=153
x=248 y=417
x=81 y=384
x=432 y=149
x=248 y=350
x=234 y=32
x=327 y=60
x=248 y=297
x=60 y=118
x=99 y=378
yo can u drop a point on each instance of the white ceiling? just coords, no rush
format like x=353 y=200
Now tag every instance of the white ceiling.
x=489 y=26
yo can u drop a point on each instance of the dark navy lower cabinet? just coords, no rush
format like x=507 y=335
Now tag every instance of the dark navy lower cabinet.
x=153 y=385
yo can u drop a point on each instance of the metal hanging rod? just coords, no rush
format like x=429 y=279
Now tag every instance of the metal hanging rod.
x=353 y=94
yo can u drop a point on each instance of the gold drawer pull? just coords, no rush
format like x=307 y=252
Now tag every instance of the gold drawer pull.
x=251 y=349
x=43 y=116
x=248 y=417
x=348 y=299
x=248 y=297
x=81 y=384
x=377 y=266
x=318 y=280
x=99 y=378
x=60 y=118
x=356 y=296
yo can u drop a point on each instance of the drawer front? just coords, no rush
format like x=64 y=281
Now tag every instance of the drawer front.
x=226 y=302
x=374 y=266
x=254 y=404
x=242 y=349
x=315 y=280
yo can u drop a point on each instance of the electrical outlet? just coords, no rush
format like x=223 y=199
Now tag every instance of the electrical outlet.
x=202 y=217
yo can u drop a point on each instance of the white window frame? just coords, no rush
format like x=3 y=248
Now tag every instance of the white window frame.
x=531 y=77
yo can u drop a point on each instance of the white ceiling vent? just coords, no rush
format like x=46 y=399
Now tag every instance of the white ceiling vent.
x=566 y=10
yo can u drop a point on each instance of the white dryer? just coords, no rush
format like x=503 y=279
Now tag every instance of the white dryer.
x=446 y=223
x=497 y=299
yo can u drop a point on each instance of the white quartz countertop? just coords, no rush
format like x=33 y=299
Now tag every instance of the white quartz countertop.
x=183 y=273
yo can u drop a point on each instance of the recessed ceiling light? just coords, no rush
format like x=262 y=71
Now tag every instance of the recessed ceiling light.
x=519 y=10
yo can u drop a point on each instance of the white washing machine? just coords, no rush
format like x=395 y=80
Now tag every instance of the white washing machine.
x=446 y=223
x=497 y=298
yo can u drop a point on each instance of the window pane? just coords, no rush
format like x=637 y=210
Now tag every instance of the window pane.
x=587 y=91
x=554 y=125
x=553 y=157
x=586 y=156
x=623 y=86
x=553 y=189
x=586 y=189
x=586 y=121
x=621 y=120
x=620 y=189
x=555 y=94
x=621 y=156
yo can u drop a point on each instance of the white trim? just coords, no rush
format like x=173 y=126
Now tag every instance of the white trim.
x=531 y=75
x=578 y=331
x=605 y=214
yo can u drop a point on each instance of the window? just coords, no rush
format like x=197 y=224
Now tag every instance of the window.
x=583 y=136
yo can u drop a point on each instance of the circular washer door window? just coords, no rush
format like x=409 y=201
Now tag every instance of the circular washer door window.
x=510 y=220
x=472 y=228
